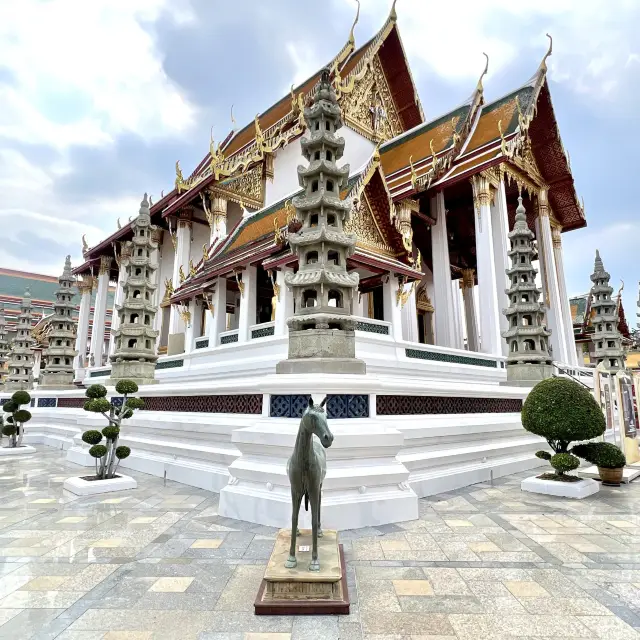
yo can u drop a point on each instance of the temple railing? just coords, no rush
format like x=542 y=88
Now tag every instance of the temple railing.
x=369 y=325
x=583 y=375
x=262 y=330
x=229 y=337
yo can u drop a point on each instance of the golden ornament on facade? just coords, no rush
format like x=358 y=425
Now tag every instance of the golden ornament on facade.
x=468 y=280
x=192 y=269
x=185 y=314
x=181 y=275
x=168 y=289
x=423 y=302
x=239 y=282
x=403 y=295
x=278 y=236
x=105 y=265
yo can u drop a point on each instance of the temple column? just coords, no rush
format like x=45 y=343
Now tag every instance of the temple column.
x=248 y=291
x=360 y=304
x=501 y=246
x=96 y=349
x=552 y=301
x=284 y=303
x=410 y=318
x=181 y=245
x=485 y=257
x=217 y=220
x=471 y=317
x=458 y=330
x=192 y=326
x=567 y=323
x=443 y=293
x=79 y=362
x=392 y=306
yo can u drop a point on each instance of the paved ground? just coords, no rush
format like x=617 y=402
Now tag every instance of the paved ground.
x=159 y=563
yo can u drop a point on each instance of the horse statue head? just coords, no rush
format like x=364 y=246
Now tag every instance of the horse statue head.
x=314 y=419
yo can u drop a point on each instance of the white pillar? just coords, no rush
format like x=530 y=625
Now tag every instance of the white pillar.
x=457 y=318
x=37 y=361
x=486 y=268
x=96 y=348
x=218 y=319
x=359 y=304
x=192 y=328
x=85 y=286
x=550 y=283
x=284 y=305
x=410 y=318
x=572 y=353
x=471 y=318
x=443 y=293
x=392 y=308
x=500 y=229
x=117 y=301
x=181 y=259
x=247 y=303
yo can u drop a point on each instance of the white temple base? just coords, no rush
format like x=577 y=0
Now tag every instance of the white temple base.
x=82 y=487
x=24 y=450
x=578 y=490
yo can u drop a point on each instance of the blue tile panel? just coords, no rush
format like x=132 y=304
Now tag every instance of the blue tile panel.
x=338 y=406
x=437 y=356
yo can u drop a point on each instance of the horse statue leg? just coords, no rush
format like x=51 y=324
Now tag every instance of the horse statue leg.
x=320 y=534
x=296 y=499
x=314 y=498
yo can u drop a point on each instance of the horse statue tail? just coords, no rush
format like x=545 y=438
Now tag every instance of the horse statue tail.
x=306 y=502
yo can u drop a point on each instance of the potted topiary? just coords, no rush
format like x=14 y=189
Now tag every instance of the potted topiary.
x=607 y=457
x=561 y=411
x=107 y=456
x=13 y=425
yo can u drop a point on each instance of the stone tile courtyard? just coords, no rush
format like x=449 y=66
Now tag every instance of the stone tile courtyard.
x=485 y=562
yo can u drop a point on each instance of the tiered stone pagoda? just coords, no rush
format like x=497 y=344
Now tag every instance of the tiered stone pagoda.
x=21 y=354
x=4 y=345
x=607 y=340
x=135 y=339
x=529 y=360
x=321 y=331
x=57 y=372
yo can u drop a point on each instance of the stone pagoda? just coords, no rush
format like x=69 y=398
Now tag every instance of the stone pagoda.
x=135 y=356
x=4 y=345
x=322 y=329
x=606 y=338
x=57 y=372
x=21 y=354
x=529 y=360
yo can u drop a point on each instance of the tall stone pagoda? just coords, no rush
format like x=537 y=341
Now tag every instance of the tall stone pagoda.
x=529 y=360
x=322 y=329
x=4 y=345
x=606 y=338
x=135 y=356
x=21 y=353
x=57 y=371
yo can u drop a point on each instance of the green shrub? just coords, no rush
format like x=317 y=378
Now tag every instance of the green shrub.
x=21 y=397
x=10 y=419
x=9 y=430
x=602 y=454
x=123 y=452
x=96 y=391
x=562 y=411
x=10 y=406
x=111 y=432
x=97 y=405
x=543 y=455
x=126 y=386
x=98 y=451
x=22 y=415
x=91 y=437
x=135 y=403
x=563 y=462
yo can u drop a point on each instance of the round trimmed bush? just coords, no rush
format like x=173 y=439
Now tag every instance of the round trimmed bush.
x=10 y=420
x=110 y=432
x=602 y=454
x=135 y=403
x=543 y=455
x=8 y=430
x=126 y=412
x=10 y=406
x=21 y=397
x=96 y=391
x=98 y=451
x=22 y=415
x=561 y=411
x=563 y=462
x=126 y=386
x=122 y=452
x=97 y=405
x=91 y=437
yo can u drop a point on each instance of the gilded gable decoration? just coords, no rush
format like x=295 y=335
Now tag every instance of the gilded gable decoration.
x=368 y=232
x=247 y=189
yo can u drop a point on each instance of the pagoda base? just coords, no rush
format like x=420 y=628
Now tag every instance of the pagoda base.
x=18 y=386
x=527 y=375
x=59 y=381
x=140 y=372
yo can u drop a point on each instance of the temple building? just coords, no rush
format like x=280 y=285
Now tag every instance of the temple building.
x=393 y=236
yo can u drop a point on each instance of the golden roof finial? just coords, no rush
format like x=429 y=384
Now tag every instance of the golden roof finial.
x=480 y=87
x=503 y=144
x=543 y=64
x=392 y=14
x=260 y=140
x=352 y=38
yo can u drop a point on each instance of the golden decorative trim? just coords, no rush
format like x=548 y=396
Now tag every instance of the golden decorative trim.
x=181 y=276
x=240 y=283
x=192 y=269
x=423 y=302
x=185 y=314
x=556 y=235
x=276 y=295
x=368 y=233
x=468 y=280
x=402 y=295
x=168 y=289
x=105 y=265
x=403 y=210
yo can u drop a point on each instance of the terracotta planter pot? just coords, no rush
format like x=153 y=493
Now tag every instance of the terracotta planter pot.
x=611 y=476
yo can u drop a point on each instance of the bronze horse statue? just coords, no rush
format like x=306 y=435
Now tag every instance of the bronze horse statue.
x=306 y=469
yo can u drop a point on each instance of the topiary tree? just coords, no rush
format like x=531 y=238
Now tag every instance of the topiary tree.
x=107 y=456
x=602 y=454
x=562 y=411
x=14 y=427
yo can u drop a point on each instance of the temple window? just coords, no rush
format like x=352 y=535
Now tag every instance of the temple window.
x=146 y=295
x=525 y=297
x=312 y=257
x=142 y=232
x=333 y=257
x=329 y=185
x=514 y=321
x=335 y=298
x=58 y=343
x=609 y=326
x=313 y=220
x=524 y=278
x=138 y=271
x=529 y=345
x=314 y=186
x=613 y=362
x=56 y=361
x=309 y=298
x=147 y=320
x=132 y=343
x=66 y=361
x=134 y=318
x=328 y=155
x=318 y=125
x=148 y=344
x=515 y=279
x=139 y=252
x=316 y=155
x=331 y=220
x=611 y=344
x=600 y=344
x=523 y=260
x=136 y=293
x=327 y=125
x=526 y=321
x=514 y=346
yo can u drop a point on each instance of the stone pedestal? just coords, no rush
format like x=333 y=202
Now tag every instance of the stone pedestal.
x=527 y=375
x=57 y=381
x=140 y=371
x=299 y=591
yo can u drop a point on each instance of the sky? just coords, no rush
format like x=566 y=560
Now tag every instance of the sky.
x=99 y=99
